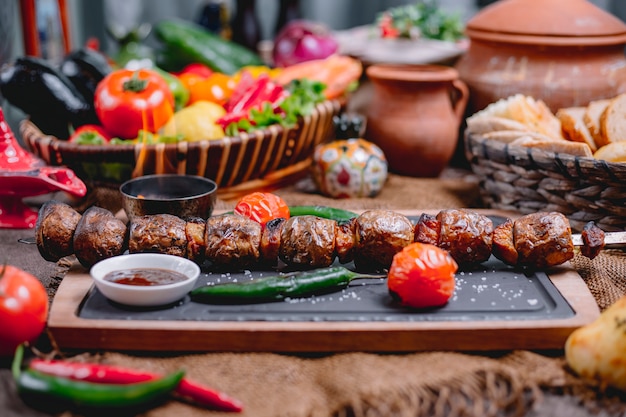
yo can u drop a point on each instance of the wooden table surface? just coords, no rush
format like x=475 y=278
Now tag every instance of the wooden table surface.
x=27 y=257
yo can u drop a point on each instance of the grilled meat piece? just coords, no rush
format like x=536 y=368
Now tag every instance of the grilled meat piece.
x=54 y=230
x=504 y=244
x=194 y=232
x=427 y=229
x=467 y=235
x=593 y=239
x=270 y=240
x=543 y=239
x=232 y=240
x=536 y=240
x=308 y=242
x=160 y=233
x=380 y=234
x=99 y=235
x=345 y=241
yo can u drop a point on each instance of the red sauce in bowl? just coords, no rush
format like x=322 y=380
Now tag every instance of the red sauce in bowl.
x=145 y=277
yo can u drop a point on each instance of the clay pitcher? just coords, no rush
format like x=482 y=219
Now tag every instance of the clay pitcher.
x=414 y=116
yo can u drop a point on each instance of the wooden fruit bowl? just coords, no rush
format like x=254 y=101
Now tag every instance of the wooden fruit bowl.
x=264 y=159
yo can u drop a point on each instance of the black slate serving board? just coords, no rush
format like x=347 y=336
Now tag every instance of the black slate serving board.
x=494 y=307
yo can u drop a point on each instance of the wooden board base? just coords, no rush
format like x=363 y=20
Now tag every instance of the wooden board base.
x=70 y=331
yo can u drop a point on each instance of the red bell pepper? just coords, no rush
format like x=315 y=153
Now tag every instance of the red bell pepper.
x=109 y=374
x=197 y=69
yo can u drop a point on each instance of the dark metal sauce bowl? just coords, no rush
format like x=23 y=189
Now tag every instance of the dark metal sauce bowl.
x=185 y=196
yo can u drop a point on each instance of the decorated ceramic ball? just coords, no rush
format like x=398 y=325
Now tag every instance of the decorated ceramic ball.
x=349 y=168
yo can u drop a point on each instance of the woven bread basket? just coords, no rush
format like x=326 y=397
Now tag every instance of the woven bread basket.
x=526 y=180
x=264 y=159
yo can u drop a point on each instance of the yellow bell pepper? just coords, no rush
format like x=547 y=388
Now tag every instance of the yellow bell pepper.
x=256 y=70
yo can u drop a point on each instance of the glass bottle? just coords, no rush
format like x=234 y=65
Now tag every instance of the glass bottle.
x=288 y=10
x=245 y=25
x=214 y=17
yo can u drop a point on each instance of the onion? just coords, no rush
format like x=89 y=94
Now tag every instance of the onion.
x=303 y=40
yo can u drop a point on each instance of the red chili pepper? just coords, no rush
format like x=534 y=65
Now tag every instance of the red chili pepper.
x=108 y=374
x=245 y=83
x=253 y=93
x=248 y=96
x=229 y=118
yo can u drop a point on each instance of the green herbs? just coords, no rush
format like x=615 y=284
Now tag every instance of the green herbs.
x=301 y=98
x=423 y=19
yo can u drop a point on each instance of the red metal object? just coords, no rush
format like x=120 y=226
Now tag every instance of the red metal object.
x=28 y=9
x=24 y=175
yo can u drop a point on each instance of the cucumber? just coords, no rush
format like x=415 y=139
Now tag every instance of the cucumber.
x=193 y=43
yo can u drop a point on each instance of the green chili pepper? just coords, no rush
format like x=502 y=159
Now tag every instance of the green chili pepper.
x=279 y=287
x=332 y=213
x=90 y=394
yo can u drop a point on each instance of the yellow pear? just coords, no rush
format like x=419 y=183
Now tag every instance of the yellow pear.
x=196 y=122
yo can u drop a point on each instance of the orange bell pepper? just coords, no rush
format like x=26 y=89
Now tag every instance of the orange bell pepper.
x=216 y=88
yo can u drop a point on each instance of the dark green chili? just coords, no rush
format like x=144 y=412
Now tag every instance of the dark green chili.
x=31 y=383
x=326 y=212
x=279 y=287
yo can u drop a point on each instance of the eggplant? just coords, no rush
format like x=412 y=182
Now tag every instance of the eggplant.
x=41 y=91
x=85 y=68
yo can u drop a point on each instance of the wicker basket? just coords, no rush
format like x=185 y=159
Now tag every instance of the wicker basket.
x=261 y=160
x=527 y=180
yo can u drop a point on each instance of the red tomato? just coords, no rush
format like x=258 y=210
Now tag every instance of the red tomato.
x=127 y=101
x=262 y=207
x=90 y=135
x=23 y=308
x=422 y=275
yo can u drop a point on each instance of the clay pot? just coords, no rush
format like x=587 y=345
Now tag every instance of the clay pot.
x=564 y=52
x=414 y=116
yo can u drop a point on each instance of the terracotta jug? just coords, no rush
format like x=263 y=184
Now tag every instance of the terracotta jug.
x=414 y=116
x=564 y=52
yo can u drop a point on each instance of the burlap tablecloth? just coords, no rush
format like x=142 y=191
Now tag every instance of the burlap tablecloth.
x=415 y=384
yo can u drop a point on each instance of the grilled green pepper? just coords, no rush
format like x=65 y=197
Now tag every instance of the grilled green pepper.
x=35 y=384
x=279 y=287
x=47 y=95
x=325 y=212
x=190 y=42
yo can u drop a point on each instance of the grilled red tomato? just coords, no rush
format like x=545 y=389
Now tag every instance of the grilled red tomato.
x=127 y=101
x=262 y=207
x=422 y=276
x=23 y=308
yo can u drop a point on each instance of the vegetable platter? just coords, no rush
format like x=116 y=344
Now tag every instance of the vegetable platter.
x=200 y=106
x=494 y=307
x=261 y=159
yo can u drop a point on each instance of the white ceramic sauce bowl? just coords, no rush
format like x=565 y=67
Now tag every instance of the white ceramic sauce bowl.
x=145 y=295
